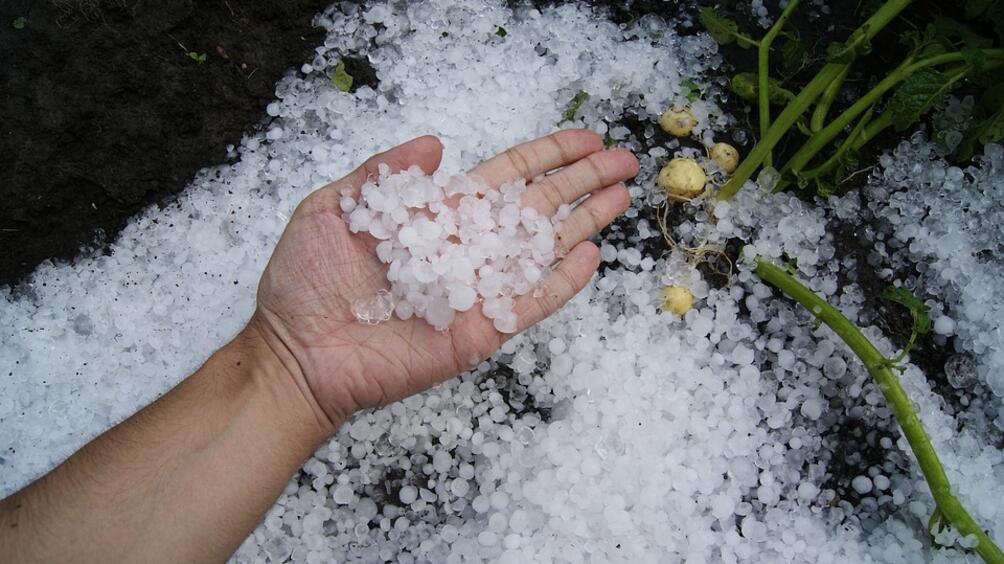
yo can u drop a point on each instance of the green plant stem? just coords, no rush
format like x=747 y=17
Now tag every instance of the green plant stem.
x=804 y=99
x=873 y=128
x=826 y=100
x=821 y=139
x=878 y=366
x=848 y=144
x=763 y=71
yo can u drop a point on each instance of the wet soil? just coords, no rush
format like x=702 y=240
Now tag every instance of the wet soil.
x=109 y=107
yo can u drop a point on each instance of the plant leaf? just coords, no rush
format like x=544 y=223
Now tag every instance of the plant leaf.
x=916 y=95
x=723 y=30
x=573 y=107
x=744 y=41
x=987 y=125
x=919 y=311
x=341 y=79
x=825 y=188
x=19 y=22
x=991 y=130
x=745 y=86
x=952 y=33
x=975 y=57
x=501 y=32
x=976 y=8
x=995 y=16
x=792 y=56
x=691 y=90
x=839 y=52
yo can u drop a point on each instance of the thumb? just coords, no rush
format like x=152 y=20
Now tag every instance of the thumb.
x=426 y=152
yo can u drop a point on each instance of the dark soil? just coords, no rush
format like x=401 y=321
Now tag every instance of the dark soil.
x=105 y=112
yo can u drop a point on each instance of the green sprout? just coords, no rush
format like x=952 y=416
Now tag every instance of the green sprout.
x=573 y=107
x=20 y=22
x=691 y=90
x=341 y=79
x=920 y=313
x=197 y=57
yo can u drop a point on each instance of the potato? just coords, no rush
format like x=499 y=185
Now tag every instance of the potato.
x=677 y=122
x=677 y=299
x=682 y=178
x=726 y=156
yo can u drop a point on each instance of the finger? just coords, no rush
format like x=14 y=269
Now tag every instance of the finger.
x=426 y=152
x=536 y=157
x=580 y=178
x=571 y=275
x=592 y=215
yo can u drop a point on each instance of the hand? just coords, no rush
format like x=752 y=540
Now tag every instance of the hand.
x=319 y=268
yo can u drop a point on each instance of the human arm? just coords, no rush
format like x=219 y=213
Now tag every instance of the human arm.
x=187 y=478
x=183 y=480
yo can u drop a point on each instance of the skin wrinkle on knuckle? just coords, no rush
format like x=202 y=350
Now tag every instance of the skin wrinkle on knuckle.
x=563 y=152
x=596 y=216
x=551 y=193
x=599 y=170
x=518 y=162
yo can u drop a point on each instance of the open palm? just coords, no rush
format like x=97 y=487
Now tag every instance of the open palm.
x=319 y=268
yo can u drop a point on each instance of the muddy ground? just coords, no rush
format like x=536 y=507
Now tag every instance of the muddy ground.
x=108 y=106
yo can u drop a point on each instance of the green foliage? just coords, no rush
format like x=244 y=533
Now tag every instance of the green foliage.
x=987 y=125
x=943 y=52
x=793 y=53
x=691 y=90
x=943 y=35
x=341 y=79
x=723 y=30
x=976 y=8
x=846 y=51
x=824 y=183
x=989 y=11
x=197 y=57
x=954 y=33
x=919 y=311
x=501 y=32
x=991 y=129
x=19 y=22
x=573 y=107
x=936 y=523
x=916 y=95
x=746 y=87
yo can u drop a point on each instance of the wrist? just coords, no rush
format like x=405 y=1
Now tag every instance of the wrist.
x=279 y=375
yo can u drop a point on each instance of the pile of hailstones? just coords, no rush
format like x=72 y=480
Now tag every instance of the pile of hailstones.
x=451 y=241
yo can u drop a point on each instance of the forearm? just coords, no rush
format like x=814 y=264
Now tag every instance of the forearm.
x=185 y=479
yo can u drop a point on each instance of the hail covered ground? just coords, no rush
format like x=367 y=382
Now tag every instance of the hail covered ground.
x=611 y=432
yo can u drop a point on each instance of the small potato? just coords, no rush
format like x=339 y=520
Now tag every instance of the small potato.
x=682 y=178
x=677 y=122
x=677 y=299
x=726 y=156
